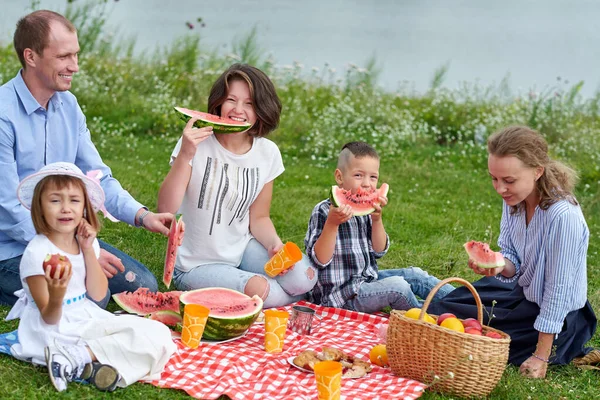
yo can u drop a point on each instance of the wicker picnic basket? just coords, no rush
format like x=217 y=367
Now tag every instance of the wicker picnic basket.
x=448 y=361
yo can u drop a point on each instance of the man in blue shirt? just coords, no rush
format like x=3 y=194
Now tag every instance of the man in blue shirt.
x=42 y=123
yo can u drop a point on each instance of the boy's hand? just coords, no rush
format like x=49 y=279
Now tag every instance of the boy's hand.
x=376 y=215
x=57 y=286
x=85 y=234
x=339 y=215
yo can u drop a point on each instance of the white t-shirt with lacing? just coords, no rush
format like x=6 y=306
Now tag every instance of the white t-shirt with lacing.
x=216 y=204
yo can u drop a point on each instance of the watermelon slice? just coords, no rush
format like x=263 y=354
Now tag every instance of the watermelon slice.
x=483 y=256
x=175 y=239
x=167 y=317
x=231 y=312
x=144 y=302
x=220 y=125
x=361 y=201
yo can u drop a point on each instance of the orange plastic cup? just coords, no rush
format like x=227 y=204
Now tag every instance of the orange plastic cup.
x=328 y=375
x=194 y=321
x=289 y=255
x=275 y=326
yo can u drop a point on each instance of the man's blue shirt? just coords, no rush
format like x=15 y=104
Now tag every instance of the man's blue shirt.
x=32 y=137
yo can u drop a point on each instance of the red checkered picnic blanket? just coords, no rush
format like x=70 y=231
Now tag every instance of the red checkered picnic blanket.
x=241 y=369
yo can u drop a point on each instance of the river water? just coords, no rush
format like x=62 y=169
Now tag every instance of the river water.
x=532 y=42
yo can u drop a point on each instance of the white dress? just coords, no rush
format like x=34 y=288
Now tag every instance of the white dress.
x=137 y=347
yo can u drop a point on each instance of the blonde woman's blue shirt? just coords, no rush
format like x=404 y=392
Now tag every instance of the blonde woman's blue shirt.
x=32 y=137
x=550 y=256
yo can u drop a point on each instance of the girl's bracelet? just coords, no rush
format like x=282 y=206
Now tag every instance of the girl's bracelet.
x=540 y=358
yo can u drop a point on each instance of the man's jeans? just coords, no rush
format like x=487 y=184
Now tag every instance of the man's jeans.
x=135 y=275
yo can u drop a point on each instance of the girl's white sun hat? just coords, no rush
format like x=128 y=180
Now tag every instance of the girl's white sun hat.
x=92 y=185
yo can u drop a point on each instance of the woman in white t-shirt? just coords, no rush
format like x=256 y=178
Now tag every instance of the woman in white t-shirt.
x=223 y=185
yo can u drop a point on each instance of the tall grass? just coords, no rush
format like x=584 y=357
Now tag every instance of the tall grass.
x=432 y=147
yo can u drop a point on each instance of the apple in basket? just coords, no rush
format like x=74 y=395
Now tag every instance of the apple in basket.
x=493 y=335
x=473 y=331
x=442 y=317
x=472 y=323
x=55 y=261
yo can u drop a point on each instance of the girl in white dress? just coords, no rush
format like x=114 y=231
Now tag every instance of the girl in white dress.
x=59 y=325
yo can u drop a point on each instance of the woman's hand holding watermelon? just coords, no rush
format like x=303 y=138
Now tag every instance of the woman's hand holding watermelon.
x=484 y=271
x=191 y=137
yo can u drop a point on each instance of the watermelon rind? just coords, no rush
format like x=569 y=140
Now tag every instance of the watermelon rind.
x=218 y=127
x=336 y=201
x=222 y=327
x=169 y=318
x=478 y=250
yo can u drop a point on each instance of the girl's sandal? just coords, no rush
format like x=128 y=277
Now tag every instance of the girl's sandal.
x=103 y=376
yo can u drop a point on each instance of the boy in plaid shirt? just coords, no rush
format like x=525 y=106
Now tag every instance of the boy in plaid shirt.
x=345 y=247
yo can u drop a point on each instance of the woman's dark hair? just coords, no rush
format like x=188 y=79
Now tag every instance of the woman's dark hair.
x=262 y=91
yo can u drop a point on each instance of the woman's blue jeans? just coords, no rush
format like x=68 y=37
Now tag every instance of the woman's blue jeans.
x=283 y=289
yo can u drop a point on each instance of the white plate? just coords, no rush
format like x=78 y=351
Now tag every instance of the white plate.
x=291 y=361
x=177 y=335
x=233 y=339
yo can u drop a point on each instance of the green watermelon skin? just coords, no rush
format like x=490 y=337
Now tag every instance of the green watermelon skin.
x=232 y=312
x=217 y=127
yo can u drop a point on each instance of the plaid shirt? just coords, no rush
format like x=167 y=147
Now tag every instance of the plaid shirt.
x=353 y=261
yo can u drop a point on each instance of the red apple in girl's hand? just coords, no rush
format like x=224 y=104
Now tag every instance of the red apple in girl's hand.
x=56 y=261
x=442 y=317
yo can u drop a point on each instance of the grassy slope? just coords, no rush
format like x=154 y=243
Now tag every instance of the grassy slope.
x=432 y=211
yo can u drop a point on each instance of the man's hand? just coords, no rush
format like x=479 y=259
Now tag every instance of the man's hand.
x=110 y=264
x=159 y=223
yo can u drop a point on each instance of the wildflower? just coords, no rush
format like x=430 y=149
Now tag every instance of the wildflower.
x=451 y=375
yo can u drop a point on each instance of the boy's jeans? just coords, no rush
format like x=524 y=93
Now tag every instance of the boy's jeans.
x=398 y=289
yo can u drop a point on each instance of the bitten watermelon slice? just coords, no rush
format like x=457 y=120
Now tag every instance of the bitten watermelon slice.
x=483 y=256
x=220 y=125
x=231 y=312
x=361 y=202
x=169 y=318
x=175 y=239
x=144 y=302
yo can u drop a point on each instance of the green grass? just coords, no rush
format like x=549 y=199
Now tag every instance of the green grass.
x=432 y=157
x=432 y=212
